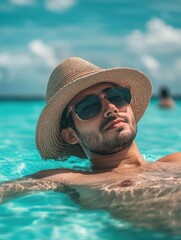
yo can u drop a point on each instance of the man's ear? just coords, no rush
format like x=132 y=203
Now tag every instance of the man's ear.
x=69 y=136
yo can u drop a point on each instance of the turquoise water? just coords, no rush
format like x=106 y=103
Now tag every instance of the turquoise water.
x=53 y=215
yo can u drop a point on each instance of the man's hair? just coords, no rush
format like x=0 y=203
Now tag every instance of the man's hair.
x=164 y=92
x=67 y=122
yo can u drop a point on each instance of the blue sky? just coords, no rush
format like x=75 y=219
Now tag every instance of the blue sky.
x=37 y=34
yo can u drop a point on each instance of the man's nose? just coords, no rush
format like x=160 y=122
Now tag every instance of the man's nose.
x=110 y=109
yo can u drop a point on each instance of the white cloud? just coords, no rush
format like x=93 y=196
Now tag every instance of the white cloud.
x=11 y=60
x=13 y=65
x=157 y=51
x=59 y=5
x=150 y=62
x=161 y=33
x=43 y=51
x=5 y=59
x=152 y=50
x=22 y=2
x=158 y=38
x=22 y=73
x=27 y=71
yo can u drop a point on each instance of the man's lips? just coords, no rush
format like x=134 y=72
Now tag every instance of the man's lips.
x=115 y=123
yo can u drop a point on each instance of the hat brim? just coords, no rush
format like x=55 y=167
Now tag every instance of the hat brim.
x=48 y=131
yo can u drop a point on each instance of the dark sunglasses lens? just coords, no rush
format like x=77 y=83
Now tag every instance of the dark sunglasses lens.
x=119 y=96
x=88 y=107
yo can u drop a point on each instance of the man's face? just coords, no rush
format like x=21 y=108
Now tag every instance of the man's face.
x=111 y=130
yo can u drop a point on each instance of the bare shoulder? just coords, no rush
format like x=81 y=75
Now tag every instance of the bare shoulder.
x=59 y=174
x=174 y=157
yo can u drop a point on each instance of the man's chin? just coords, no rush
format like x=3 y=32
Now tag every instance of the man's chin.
x=124 y=139
x=118 y=132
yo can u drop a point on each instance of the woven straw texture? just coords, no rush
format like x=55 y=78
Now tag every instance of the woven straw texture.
x=67 y=80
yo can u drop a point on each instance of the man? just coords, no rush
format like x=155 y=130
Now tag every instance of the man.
x=93 y=112
x=165 y=99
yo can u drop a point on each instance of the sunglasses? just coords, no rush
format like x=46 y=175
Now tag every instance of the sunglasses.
x=88 y=107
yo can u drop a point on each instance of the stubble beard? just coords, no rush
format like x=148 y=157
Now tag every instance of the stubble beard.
x=97 y=142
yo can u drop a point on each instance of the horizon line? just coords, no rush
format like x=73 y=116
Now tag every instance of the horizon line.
x=42 y=98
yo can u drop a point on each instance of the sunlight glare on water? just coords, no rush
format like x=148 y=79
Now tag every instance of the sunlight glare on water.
x=50 y=215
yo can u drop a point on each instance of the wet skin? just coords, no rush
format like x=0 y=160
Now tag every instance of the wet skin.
x=121 y=181
x=147 y=196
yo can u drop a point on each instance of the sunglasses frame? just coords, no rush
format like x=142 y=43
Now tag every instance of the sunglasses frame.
x=99 y=96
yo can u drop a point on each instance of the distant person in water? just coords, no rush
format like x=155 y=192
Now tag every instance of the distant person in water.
x=92 y=113
x=165 y=99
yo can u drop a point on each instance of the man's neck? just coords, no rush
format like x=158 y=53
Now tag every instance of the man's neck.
x=125 y=158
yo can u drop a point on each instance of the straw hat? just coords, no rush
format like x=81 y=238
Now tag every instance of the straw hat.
x=68 y=79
